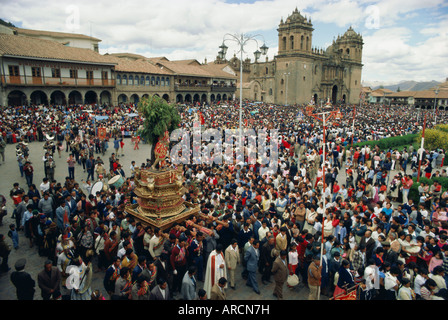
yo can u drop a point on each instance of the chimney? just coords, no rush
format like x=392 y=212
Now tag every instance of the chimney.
x=205 y=61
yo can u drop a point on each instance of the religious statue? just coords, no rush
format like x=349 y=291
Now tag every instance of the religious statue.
x=161 y=150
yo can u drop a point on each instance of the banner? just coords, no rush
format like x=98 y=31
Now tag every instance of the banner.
x=102 y=133
x=350 y=294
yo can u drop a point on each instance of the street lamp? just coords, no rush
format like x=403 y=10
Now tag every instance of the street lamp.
x=326 y=115
x=286 y=87
x=241 y=40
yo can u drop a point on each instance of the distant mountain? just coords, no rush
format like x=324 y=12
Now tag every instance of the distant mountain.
x=410 y=85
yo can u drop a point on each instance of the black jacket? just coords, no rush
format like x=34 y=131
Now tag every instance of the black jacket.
x=24 y=285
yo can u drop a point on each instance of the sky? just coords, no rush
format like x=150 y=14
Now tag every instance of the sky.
x=403 y=39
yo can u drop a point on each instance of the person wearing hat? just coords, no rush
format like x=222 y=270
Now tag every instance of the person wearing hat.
x=22 y=281
x=29 y=172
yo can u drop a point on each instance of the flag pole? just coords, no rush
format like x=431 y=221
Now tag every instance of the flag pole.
x=421 y=149
x=323 y=199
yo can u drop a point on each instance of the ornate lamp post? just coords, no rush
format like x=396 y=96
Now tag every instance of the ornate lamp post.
x=241 y=40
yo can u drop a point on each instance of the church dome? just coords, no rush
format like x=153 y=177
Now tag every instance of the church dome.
x=350 y=33
x=296 y=17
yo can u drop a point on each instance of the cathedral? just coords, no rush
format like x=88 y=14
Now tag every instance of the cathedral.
x=300 y=73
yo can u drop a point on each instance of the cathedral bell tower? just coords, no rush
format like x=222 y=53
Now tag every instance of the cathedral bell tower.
x=295 y=34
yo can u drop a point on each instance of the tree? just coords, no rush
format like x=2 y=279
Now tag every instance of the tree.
x=159 y=116
x=434 y=139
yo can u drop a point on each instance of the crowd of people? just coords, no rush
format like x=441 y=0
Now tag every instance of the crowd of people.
x=335 y=224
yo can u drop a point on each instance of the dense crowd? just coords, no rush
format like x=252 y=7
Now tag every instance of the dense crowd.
x=346 y=223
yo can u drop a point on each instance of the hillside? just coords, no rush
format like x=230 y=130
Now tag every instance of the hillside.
x=410 y=85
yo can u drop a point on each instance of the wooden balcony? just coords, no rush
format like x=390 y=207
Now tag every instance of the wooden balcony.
x=191 y=88
x=55 y=82
x=223 y=88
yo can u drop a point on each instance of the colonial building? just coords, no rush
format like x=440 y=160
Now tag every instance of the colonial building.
x=301 y=72
x=436 y=97
x=38 y=71
x=75 y=40
x=34 y=70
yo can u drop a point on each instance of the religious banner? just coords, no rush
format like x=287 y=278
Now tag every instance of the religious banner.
x=350 y=294
x=102 y=133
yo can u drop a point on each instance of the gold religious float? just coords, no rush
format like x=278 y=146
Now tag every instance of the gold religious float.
x=159 y=198
x=160 y=193
x=159 y=189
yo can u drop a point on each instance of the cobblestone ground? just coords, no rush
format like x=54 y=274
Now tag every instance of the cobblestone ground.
x=9 y=173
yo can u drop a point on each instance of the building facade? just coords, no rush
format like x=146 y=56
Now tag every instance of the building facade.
x=300 y=72
x=44 y=71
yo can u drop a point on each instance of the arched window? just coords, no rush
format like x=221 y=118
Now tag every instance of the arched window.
x=162 y=81
x=291 y=41
x=125 y=80
x=153 y=81
x=301 y=43
x=307 y=43
x=158 y=81
x=347 y=51
x=267 y=70
x=284 y=43
x=142 y=80
x=118 y=79
x=167 y=81
x=131 y=80
x=147 y=81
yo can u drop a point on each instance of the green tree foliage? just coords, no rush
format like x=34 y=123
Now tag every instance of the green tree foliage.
x=159 y=116
x=434 y=139
x=442 y=127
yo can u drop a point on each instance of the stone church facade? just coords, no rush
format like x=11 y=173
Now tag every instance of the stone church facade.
x=300 y=72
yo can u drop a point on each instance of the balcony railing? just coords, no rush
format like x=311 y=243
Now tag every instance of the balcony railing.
x=56 y=82
x=191 y=87
x=226 y=88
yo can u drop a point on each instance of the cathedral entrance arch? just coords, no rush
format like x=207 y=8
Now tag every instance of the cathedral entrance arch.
x=334 y=94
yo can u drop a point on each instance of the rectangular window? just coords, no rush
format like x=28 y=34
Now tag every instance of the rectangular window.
x=55 y=73
x=89 y=74
x=74 y=74
x=14 y=71
x=36 y=71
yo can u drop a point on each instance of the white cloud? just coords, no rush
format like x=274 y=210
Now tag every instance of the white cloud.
x=194 y=29
x=390 y=54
